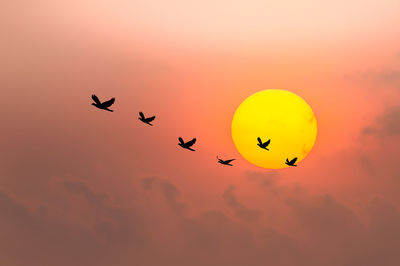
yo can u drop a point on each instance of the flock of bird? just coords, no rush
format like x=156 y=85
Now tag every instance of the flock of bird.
x=186 y=145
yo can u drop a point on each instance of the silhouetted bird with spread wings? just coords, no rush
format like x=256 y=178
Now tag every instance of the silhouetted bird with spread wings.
x=291 y=162
x=263 y=145
x=103 y=105
x=225 y=162
x=186 y=145
x=146 y=120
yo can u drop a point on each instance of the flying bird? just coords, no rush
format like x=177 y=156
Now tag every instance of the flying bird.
x=292 y=162
x=186 y=145
x=263 y=145
x=225 y=162
x=146 y=120
x=103 y=105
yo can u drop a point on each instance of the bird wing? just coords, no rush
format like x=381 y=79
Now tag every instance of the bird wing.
x=268 y=142
x=141 y=115
x=181 y=140
x=287 y=160
x=294 y=160
x=95 y=99
x=190 y=143
x=108 y=103
x=259 y=140
x=228 y=161
x=149 y=119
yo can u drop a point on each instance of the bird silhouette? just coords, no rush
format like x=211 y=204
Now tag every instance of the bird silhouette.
x=186 y=145
x=263 y=145
x=103 y=105
x=225 y=162
x=292 y=162
x=146 y=120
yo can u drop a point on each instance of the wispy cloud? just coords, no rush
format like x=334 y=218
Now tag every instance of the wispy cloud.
x=240 y=210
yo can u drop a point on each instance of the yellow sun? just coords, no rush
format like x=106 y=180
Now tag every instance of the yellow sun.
x=281 y=116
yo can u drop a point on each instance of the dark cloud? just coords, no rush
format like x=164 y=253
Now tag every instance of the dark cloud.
x=388 y=78
x=93 y=230
x=80 y=188
x=392 y=76
x=325 y=218
x=115 y=223
x=148 y=182
x=240 y=210
x=385 y=125
x=384 y=232
x=169 y=190
x=37 y=239
x=266 y=180
x=214 y=239
x=337 y=236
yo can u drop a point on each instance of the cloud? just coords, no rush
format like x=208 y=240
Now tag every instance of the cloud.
x=240 y=210
x=36 y=239
x=391 y=76
x=336 y=236
x=384 y=232
x=388 y=77
x=148 y=182
x=386 y=124
x=266 y=180
x=80 y=188
x=169 y=190
x=157 y=231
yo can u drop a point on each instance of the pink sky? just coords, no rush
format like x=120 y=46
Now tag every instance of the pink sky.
x=80 y=186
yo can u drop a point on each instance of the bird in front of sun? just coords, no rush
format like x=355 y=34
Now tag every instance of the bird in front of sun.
x=146 y=120
x=263 y=145
x=103 y=105
x=187 y=145
x=291 y=162
x=225 y=162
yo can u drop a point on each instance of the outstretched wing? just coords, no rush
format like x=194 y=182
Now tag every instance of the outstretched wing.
x=149 y=119
x=259 y=140
x=228 y=161
x=268 y=142
x=190 y=143
x=95 y=99
x=108 y=103
x=287 y=160
x=141 y=115
x=181 y=140
x=293 y=161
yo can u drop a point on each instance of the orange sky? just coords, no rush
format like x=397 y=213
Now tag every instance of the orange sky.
x=73 y=174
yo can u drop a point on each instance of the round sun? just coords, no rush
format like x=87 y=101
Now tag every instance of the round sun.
x=272 y=127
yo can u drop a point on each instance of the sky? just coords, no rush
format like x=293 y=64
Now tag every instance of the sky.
x=82 y=186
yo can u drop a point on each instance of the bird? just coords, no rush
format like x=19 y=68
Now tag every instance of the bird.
x=186 y=145
x=103 y=105
x=263 y=145
x=226 y=162
x=291 y=162
x=146 y=120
